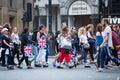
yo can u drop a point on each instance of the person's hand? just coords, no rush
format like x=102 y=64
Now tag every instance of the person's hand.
x=97 y=48
x=88 y=44
x=101 y=46
x=112 y=48
x=11 y=46
x=19 y=42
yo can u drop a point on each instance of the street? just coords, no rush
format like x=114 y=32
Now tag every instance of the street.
x=51 y=73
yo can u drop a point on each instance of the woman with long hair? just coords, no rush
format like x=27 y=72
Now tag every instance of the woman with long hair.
x=16 y=42
x=91 y=40
x=84 y=45
x=99 y=40
x=42 y=46
x=64 y=54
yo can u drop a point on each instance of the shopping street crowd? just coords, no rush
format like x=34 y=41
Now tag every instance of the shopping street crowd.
x=70 y=46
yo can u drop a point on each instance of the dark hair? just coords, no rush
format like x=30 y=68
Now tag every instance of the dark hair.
x=41 y=26
x=25 y=30
x=99 y=28
x=106 y=20
x=65 y=29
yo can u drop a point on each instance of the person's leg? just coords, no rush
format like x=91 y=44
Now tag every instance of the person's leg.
x=108 y=51
x=26 y=61
x=67 y=59
x=35 y=52
x=98 y=59
x=17 y=52
x=102 y=57
x=114 y=53
x=21 y=60
x=38 y=58
x=9 y=60
x=82 y=55
x=61 y=57
x=3 y=57
x=43 y=57
x=23 y=57
x=47 y=53
x=91 y=52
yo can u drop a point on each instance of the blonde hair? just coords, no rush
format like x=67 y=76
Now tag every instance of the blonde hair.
x=81 y=31
x=14 y=29
x=89 y=26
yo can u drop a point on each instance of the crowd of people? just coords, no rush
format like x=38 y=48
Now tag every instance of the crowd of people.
x=70 y=46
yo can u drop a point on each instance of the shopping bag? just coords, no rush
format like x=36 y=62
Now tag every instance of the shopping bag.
x=65 y=42
x=28 y=50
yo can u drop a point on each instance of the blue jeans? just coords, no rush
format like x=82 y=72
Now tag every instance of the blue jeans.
x=47 y=54
x=106 y=52
x=35 y=52
x=83 y=55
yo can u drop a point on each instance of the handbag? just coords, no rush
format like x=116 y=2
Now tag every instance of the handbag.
x=67 y=49
x=92 y=41
x=66 y=44
x=86 y=46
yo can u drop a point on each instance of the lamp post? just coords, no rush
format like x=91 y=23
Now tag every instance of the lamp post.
x=36 y=16
x=50 y=16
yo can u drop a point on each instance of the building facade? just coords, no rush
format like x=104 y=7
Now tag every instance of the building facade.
x=11 y=11
x=75 y=13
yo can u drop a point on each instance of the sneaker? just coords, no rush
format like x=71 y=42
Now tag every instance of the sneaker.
x=10 y=67
x=100 y=70
x=59 y=67
x=44 y=66
x=71 y=67
x=18 y=66
x=86 y=65
x=54 y=64
x=29 y=67
x=37 y=65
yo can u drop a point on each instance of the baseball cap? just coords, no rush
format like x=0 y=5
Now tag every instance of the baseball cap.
x=4 y=29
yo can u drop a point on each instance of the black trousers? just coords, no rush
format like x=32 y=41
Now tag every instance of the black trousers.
x=16 y=52
x=91 y=50
x=23 y=57
x=3 y=57
x=8 y=56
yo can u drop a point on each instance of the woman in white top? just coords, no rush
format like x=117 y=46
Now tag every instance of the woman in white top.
x=84 y=45
x=16 y=42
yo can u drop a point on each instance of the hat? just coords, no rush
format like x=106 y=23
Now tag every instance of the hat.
x=4 y=29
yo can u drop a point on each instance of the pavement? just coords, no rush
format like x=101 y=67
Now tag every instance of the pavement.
x=51 y=73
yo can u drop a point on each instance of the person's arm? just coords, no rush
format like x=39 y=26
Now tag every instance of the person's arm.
x=4 y=41
x=58 y=38
x=38 y=35
x=12 y=37
x=105 y=40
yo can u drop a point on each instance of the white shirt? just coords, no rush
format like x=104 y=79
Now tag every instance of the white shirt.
x=105 y=33
x=83 y=38
x=16 y=39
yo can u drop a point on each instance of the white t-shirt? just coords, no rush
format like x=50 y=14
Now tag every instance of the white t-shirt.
x=105 y=33
x=83 y=38
x=16 y=39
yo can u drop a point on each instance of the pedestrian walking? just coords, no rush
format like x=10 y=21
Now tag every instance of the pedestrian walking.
x=24 y=42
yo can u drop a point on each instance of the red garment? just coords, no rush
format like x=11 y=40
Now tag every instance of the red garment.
x=64 y=55
x=115 y=39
